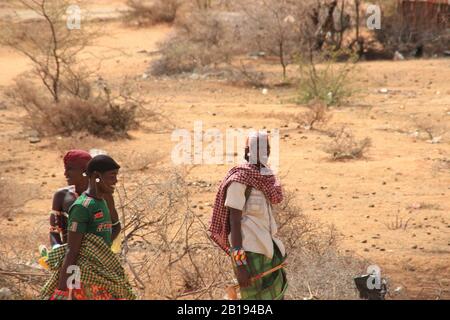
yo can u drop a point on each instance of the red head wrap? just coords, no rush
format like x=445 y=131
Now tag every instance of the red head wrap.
x=77 y=158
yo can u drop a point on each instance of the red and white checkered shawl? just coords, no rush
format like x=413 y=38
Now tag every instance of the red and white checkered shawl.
x=249 y=175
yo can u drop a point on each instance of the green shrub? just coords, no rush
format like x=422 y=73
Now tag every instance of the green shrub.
x=329 y=82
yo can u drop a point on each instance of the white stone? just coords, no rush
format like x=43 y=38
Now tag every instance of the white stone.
x=398 y=56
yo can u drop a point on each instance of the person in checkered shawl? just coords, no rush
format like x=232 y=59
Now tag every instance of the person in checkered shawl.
x=243 y=225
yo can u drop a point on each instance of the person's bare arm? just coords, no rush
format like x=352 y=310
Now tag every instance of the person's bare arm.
x=58 y=199
x=243 y=276
x=74 y=244
x=114 y=215
x=235 y=225
x=57 y=205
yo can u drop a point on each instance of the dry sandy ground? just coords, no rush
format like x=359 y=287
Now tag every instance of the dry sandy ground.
x=361 y=198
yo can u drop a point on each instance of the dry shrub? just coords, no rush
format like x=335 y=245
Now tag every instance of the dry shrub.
x=100 y=119
x=19 y=271
x=50 y=46
x=316 y=116
x=326 y=276
x=244 y=74
x=285 y=28
x=203 y=4
x=137 y=160
x=316 y=268
x=202 y=40
x=99 y=116
x=165 y=242
x=273 y=27
x=66 y=100
x=179 y=57
x=169 y=254
x=209 y=36
x=433 y=129
x=146 y=13
x=344 y=146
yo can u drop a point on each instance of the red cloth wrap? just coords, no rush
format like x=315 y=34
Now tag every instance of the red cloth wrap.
x=77 y=158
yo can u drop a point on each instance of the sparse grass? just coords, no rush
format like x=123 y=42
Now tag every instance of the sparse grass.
x=344 y=146
x=399 y=223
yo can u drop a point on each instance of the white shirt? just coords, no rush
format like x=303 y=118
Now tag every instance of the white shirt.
x=258 y=227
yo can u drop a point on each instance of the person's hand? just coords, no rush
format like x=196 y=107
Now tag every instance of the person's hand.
x=243 y=276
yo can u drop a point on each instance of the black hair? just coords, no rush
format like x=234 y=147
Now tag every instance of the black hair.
x=101 y=163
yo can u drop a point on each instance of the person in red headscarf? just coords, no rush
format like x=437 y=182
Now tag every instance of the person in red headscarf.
x=75 y=164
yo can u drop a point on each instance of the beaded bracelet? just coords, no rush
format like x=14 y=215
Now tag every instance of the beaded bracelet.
x=239 y=256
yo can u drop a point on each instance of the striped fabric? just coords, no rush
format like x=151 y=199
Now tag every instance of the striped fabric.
x=99 y=266
x=86 y=202
x=271 y=287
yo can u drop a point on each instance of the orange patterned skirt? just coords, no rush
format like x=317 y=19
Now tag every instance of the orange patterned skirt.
x=86 y=292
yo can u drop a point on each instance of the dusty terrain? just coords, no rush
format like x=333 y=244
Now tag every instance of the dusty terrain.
x=399 y=179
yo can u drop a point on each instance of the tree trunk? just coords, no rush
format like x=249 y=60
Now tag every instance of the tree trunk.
x=282 y=60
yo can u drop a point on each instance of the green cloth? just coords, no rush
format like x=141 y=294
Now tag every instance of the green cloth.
x=271 y=287
x=90 y=215
x=98 y=266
